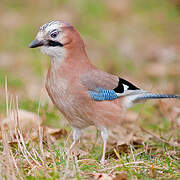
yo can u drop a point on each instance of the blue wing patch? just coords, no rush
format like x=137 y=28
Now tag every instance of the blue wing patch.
x=101 y=94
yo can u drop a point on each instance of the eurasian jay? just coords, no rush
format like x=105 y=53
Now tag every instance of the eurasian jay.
x=84 y=94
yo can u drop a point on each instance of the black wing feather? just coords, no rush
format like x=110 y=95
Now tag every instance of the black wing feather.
x=120 y=87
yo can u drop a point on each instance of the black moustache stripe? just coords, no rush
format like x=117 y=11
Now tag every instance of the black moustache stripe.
x=54 y=43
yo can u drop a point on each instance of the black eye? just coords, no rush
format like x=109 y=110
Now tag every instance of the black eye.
x=54 y=34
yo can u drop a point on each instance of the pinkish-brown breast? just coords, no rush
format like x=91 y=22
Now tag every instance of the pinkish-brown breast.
x=68 y=96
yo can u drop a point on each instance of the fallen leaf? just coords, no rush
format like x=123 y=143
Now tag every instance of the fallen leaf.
x=121 y=176
x=123 y=148
x=102 y=176
x=57 y=133
x=87 y=162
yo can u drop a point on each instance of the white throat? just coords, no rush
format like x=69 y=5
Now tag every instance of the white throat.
x=56 y=54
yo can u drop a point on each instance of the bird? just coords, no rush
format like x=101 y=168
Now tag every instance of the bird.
x=84 y=94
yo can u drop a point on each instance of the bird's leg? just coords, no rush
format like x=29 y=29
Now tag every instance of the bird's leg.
x=104 y=135
x=76 y=137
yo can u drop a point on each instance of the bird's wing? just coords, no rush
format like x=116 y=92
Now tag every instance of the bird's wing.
x=103 y=86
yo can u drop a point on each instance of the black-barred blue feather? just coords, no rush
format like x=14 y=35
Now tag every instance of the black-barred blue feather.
x=101 y=94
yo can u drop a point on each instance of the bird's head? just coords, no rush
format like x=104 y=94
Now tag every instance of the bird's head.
x=55 y=38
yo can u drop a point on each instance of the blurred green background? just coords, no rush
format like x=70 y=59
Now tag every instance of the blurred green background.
x=136 y=39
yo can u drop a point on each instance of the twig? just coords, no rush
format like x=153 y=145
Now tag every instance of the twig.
x=6 y=93
x=158 y=138
x=15 y=164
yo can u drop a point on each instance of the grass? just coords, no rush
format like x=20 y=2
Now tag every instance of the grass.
x=44 y=157
x=127 y=38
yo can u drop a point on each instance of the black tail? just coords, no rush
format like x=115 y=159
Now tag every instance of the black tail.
x=155 y=96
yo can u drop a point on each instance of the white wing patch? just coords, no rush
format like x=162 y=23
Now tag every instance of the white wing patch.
x=125 y=87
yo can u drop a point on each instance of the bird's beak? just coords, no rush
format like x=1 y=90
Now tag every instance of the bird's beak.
x=36 y=43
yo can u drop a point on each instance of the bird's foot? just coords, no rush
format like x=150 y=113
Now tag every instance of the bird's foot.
x=103 y=162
